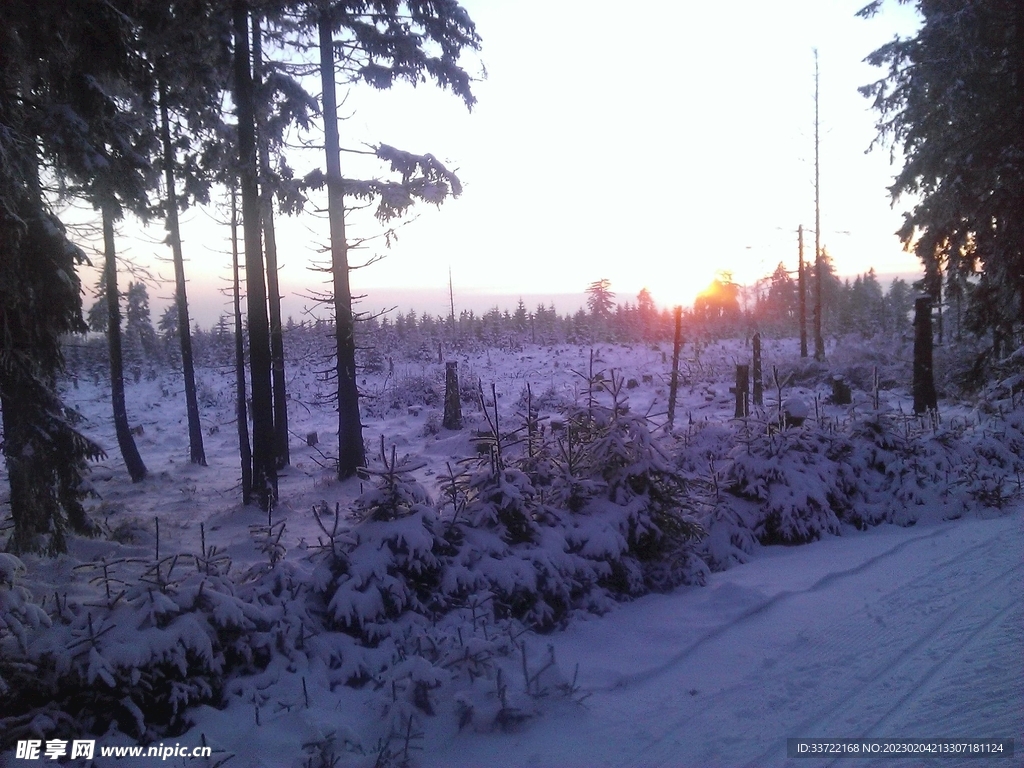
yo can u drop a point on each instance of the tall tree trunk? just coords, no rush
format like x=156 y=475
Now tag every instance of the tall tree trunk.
x=125 y=441
x=925 y=396
x=197 y=454
x=801 y=282
x=819 y=267
x=264 y=470
x=351 y=453
x=244 y=450
x=29 y=512
x=270 y=249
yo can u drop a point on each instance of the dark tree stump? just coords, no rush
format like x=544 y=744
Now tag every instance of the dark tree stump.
x=452 y=403
x=742 y=391
x=841 y=393
x=925 y=397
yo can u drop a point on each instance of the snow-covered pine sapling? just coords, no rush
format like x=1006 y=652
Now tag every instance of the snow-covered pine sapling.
x=534 y=682
x=114 y=588
x=393 y=555
x=211 y=561
x=330 y=544
x=267 y=539
x=570 y=479
x=491 y=441
x=633 y=511
x=396 y=494
x=450 y=487
x=18 y=616
x=593 y=380
x=779 y=382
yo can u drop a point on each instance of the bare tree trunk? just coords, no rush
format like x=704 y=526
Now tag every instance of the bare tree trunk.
x=264 y=470
x=801 y=282
x=925 y=397
x=758 y=380
x=452 y=399
x=351 y=452
x=819 y=267
x=270 y=249
x=677 y=345
x=244 y=451
x=197 y=453
x=125 y=441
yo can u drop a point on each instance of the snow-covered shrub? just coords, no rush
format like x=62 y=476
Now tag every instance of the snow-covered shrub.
x=158 y=644
x=510 y=550
x=389 y=561
x=702 y=459
x=370 y=358
x=800 y=489
x=631 y=507
x=410 y=390
x=991 y=469
x=548 y=399
x=19 y=615
x=860 y=359
x=890 y=482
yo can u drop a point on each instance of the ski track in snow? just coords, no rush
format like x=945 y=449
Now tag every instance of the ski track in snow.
x=923 y=639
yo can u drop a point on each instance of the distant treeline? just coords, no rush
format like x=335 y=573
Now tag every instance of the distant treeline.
x=772 y=307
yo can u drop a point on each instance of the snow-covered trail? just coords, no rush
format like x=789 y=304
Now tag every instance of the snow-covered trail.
x=894 y=633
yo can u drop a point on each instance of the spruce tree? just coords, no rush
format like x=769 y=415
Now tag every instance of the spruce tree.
x=950 y=99
x=189 y=66
x=56 y=120
x=387 y=42
x=264 y=465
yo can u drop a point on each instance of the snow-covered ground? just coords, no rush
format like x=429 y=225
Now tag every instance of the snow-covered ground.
x=895 y=633
x=890 y=632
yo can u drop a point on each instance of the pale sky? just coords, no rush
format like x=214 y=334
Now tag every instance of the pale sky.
x=651 y=144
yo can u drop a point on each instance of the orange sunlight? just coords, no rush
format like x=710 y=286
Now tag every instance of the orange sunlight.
x=684 y=283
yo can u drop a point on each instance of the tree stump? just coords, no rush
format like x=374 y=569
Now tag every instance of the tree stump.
x=841 y=393
x=742 y=391
x=452 y=403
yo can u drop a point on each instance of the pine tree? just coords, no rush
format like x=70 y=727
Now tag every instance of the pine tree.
x=264 y=465
x=648 y=314
x=780 y=309
x=189 y=69
x=386 y=42
x=951 y=101
x=600 y=299
x=125 y=440
x=96 y=317
x=268 y=139
x=53 y=118
x=140 y=336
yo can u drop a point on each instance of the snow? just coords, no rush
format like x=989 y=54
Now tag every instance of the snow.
x=891 y=631
x=898 y=632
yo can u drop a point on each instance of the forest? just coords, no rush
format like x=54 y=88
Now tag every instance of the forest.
x=388 y=514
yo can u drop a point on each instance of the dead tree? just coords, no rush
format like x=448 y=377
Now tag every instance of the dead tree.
x=742 y=391
x=758 y=379
x=452 y=404
x=673 y=388
x=925 y=397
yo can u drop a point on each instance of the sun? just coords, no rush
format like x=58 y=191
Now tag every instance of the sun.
x=683 y=283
